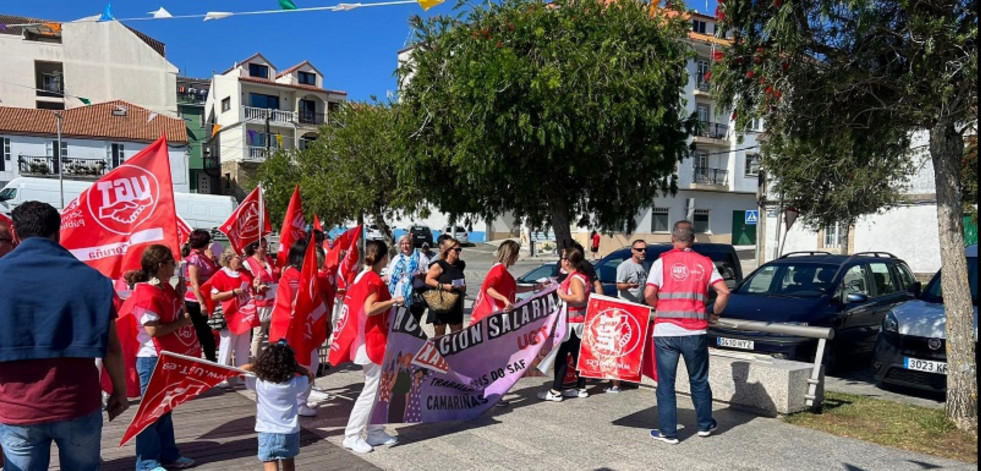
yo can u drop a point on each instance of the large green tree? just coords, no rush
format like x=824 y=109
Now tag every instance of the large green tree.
x=559 y=113
x=349 y=172
x=864 y=76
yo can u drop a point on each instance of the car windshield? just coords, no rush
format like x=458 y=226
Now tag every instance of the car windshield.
x=544 y=271
x=8 y=194
x=934 y=292
x=797 y=280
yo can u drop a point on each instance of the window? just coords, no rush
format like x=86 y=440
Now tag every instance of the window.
x=49 y=105
x=258 y=70
x=701 y=220
x=752 y=165
x=226 y=104
x=659 y=220
x=699 y=26
x=115 y=155
x=832 y=236
x=703 y=114
x=6 y=153
x=904 y=275
x=702 y=69
x=259 y=100
x=307 y=78
x=756 y=125
x=855 y=281
x=882 y=278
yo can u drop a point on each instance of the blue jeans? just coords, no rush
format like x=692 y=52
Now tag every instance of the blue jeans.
x=28 y=447
x=155 y=445
x=695 y=350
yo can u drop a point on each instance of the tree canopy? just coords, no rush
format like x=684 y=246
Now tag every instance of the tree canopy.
x=849 y=82
x=564 y=112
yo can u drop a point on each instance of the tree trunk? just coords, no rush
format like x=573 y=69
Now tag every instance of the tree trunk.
x=946 y=150
x=560 y=220
x=386 y=232
x=846 y=230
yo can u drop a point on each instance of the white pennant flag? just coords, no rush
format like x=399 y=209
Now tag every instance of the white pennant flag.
x=150 y=118
x=161 y=13
x=217 y=15
x=347 y=6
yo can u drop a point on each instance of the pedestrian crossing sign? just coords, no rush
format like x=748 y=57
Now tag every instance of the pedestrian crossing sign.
x=752 y=217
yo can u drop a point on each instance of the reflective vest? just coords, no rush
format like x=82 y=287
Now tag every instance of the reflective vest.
x=682 y=298
x=576 y=313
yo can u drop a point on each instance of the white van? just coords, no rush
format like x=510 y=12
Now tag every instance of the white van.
x=200 y=211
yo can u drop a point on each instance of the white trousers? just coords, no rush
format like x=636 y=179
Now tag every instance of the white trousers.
x=233 y=346
x=361 y=413
x=314 y=363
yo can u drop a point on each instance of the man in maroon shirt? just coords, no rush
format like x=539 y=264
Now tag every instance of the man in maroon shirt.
x=56 y=318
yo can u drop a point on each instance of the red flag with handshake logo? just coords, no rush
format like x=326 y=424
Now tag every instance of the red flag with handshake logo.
x=613 y=340
x=308 y=322
x=242 y=227
x=128 y=209
x=294 y=227
x=175 y=380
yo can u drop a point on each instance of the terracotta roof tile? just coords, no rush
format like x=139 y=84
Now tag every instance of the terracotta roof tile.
x=288 y=85
x=95 y=121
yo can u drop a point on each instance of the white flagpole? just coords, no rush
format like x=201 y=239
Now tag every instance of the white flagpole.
x=262 y=214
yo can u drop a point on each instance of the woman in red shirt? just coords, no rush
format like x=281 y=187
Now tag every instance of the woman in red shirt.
x=164 y=325
x=200 y=266
x=234 y=287
x=498 y=291
x=367 y=304
x=261 y=266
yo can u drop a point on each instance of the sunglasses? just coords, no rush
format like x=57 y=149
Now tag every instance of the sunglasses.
x=457 y=249
x=641 y=249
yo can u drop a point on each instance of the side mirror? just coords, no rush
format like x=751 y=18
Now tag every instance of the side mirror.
x=856 y=298
x=916 y=289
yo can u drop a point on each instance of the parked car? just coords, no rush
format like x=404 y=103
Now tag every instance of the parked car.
x=374 y=233
x=537 y=275
x=912 y=347
x=849 y=293
x=459 y=233
x=723 y=255
x=421 y=235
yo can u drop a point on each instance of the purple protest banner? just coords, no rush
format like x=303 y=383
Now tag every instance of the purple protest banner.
x=461 y=375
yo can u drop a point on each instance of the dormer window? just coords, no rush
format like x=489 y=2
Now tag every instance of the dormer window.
x=259 y=71
x=307 y=78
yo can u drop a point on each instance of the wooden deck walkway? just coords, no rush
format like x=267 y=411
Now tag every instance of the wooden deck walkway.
x=217 y=431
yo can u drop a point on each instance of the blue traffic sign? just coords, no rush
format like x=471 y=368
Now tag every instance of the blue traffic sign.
x=752 y=217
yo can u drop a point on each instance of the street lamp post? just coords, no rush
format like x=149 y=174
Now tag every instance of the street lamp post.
x=61 y=179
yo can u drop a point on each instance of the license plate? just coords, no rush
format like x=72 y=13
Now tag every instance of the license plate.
x=735 y=343
x=925 y=365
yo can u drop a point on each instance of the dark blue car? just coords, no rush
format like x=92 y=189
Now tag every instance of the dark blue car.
x=850 y=294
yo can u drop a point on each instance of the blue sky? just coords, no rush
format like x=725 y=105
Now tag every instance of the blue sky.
x=356 y=50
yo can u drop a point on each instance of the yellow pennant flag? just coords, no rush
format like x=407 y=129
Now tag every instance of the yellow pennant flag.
x=279 y=141
x=427 y=4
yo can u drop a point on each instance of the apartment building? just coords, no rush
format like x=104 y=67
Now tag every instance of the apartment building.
x=58 y=66
x=254 y=110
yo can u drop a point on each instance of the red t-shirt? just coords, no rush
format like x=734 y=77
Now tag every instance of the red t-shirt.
x=50 y=390
x=375 y=327
x=501 y=280
x=596 y=241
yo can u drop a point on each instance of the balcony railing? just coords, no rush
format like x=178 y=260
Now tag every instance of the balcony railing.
x=711 y=176
x=704 y=85
x=711 y=130
x=257 y=153
x=311 y=117
x=253 y=113
x=74 y=167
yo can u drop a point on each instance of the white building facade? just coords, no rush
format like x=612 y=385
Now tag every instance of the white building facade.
x=255 y=110
x=51 y=65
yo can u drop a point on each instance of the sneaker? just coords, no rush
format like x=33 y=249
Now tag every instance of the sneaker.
x=656 y=434
x=357 y=445
x=708 y=433
x=550 y=396
x=304 y=410
x=612 y=390
x=224 y=385
x=182 y=462
x=319 y=396
x=381 y=438
x=576 y=393
x=501 y=403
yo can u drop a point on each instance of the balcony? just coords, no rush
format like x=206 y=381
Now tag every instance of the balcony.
x=711 y=133
x=74 y=167
x=257 y=154
x=712 y=177
x=274 y=116
x=704 y=86
x=311 y=117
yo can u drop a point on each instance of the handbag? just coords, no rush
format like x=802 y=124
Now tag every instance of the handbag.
x=439 y=301
x=217 y=319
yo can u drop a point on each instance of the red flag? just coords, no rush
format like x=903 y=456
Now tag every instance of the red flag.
x=294 y=227
x=4 y=219
x=183 y=231
x=242 y=227
x=613 y=339
x=316 y=223
x=308 y=322
x=126 y=329
x=342 y=243
x=131 y=207
x=649 y=365
x=175 y=380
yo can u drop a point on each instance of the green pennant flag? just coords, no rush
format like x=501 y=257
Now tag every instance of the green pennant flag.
x=85 y=100
x=287 y=5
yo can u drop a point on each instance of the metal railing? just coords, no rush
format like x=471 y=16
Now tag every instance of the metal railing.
x=711 y=176
x=705 y=85
x=257 y=153
x=312 y=117
x=78 y=167
x=822 y=334
x=253 y=113
x=711 y=130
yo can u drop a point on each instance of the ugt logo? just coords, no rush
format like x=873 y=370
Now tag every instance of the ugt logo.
x=121 y=204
